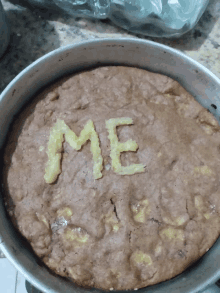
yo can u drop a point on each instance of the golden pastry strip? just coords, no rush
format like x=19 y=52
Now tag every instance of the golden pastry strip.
x=71 y=235
x=201 y=209
x=65 y=212
x=117 y=147
x=171 y=233
x=141 y=211
x=76 y=142
x=53 y=168
x=56 y=139
x=176 y=222
x=141 y=258
x=204 y=170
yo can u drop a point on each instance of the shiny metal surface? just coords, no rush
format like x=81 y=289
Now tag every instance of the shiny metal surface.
x=198 y=80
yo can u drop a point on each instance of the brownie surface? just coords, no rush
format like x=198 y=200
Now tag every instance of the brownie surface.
x=119 y=231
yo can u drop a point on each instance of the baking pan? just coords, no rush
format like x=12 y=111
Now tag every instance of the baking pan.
x=195 y=78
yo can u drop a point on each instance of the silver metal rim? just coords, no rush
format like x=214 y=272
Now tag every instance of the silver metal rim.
x=60 y=53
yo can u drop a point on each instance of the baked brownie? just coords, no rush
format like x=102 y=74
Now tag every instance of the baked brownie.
x=112 y=175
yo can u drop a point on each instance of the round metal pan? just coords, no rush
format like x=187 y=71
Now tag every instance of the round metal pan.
x=196 y=79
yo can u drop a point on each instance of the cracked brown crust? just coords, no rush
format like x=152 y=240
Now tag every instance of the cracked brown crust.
x=120 y=232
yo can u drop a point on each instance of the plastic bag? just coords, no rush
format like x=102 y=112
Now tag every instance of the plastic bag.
x=4 y=33
x=156 y=18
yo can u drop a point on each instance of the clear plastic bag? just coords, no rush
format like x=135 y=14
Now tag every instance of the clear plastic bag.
x=157 y=18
